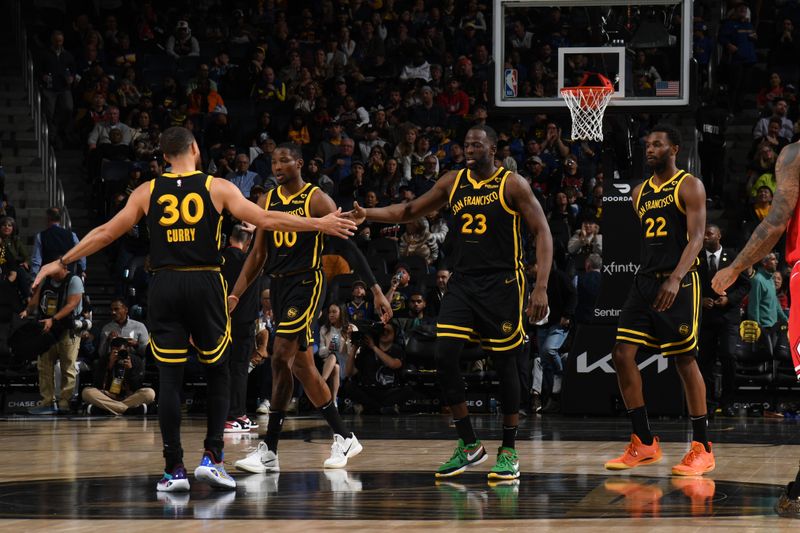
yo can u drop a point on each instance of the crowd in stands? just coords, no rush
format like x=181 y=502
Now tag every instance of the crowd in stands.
x=379 y=96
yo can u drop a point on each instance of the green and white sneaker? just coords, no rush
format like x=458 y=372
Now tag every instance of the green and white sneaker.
x=463 y=457
x=507 y=466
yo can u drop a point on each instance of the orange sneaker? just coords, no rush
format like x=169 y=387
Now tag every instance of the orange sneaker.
x=641 y=499
x=696 y=462
x=700 y=490
x=636 y=454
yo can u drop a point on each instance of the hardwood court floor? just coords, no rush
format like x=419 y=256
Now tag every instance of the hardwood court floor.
x=70 y=473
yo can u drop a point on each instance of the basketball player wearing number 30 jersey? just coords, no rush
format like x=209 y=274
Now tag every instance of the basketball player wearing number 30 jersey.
x=187 y=304
x=662 y=310
x=783 y=212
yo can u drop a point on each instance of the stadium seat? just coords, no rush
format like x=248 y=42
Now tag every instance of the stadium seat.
x=385 y=248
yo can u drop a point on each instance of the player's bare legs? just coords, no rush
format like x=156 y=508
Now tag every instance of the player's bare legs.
x=628 y=375
x=306 y=372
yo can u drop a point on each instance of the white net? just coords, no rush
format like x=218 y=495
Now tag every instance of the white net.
x=587 y=105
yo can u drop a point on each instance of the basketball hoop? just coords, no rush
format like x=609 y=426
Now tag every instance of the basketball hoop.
x=587 y=104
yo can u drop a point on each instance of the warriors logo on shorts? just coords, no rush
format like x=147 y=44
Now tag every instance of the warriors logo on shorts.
x=292 y=312
x=507 y=327
x=683 y=329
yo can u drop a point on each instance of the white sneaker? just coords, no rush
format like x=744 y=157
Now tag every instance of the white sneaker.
x=262 y=484
x=260 y=460
x=341 y=481
x=263 y=408
x=341 y=450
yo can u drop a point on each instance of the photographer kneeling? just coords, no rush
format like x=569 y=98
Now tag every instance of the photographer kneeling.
x=118 y=380
x=373 y=371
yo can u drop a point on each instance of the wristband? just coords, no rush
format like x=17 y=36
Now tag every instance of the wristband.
x=61 y=261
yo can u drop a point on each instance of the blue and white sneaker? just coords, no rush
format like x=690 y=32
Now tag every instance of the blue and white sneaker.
x=213 y=473
x=174 y=481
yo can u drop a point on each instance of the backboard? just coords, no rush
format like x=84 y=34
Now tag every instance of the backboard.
x=643 y=46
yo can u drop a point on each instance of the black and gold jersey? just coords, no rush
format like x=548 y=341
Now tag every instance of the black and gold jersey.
x=289 y=251
x=489 y=236
x=185 y=227
x=664 y=226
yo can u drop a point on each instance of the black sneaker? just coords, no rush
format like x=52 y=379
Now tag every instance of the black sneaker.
x=788 y=505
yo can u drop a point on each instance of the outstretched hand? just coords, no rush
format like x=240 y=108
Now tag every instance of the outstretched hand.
x=382 y=306
x=48 y=270
x=723 y=279
x=357 y=215
x=337 y=224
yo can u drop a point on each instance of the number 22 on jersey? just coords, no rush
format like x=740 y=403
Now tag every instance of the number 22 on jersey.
x=655 y=227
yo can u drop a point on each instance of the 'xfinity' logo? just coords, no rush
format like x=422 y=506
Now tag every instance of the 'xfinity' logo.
x=620 y=268
x=604 y=364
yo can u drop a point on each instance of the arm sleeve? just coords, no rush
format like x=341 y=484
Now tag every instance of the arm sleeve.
x=360 y=263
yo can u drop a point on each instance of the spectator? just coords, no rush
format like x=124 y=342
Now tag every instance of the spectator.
x=737 y=37
x=53 y=242
x=551 y=334
x=437 y=225
x=418 y=312
x=353 y=186
x=417 y=240
x=340 y=165
x=454 y=101
x=586 y=240
x=424 y=181
x=588 y=289
x=358 y=307
x=265 y=330
x=315 y=176
x=762 y=301
x=204 y=100
x=57 y=70
x=417 y=69
x=780 y=109
x=118 y=383
x=373 y=372
x=335 y=347
x=12 y=252
x=768 y=94
x=436 y=294
x=102 y=130
x=181 y=43
x=122 y=325
x=399 y=288
x=784 y=51
x=781 y=290
x=720 y=320
x=428 y=113
x=243 y=177
x=521 y=39
x=262 y=163
x=242 y=332
x=58 y=300
x=298 y=131
x=268 y=92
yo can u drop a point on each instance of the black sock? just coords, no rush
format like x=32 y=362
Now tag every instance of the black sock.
x=331 y=414
x=173 y=457
x=274 y=426
x=641 y=427
x=509 y=436
x=699 y=430
x=465 y=431
x=795 y=492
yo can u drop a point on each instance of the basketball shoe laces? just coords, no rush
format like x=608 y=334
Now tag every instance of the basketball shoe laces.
x=691 y=456
x=505 y=460
x=459 y=455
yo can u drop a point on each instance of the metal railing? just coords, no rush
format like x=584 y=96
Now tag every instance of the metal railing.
x=45 y=152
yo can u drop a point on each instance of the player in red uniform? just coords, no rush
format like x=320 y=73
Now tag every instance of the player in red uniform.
x=783 y=211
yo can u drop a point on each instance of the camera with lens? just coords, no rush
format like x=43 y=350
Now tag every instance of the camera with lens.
x=80 y=324
x=122 y=344
x=371 y=328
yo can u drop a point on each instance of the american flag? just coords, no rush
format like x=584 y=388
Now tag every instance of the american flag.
x=668 y=88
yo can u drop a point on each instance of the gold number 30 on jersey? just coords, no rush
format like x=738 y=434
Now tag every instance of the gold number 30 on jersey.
x=284 y=238
x=190 y=210
x=658 y=224
x=476 y=224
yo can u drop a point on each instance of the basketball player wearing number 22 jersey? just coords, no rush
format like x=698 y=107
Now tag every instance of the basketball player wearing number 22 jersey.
x=783 y=213
x=662 y=310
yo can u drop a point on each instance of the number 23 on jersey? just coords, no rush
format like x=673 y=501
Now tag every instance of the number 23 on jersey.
x=473 y=224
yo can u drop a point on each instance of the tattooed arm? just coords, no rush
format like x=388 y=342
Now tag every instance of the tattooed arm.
x=767 y=234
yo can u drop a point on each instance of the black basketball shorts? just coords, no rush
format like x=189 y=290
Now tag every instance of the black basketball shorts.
x=295 y=305
x=672 y=332
x=188 y=307
x=486 y=309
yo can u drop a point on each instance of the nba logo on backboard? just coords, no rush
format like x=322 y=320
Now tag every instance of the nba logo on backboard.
x=511 y=82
